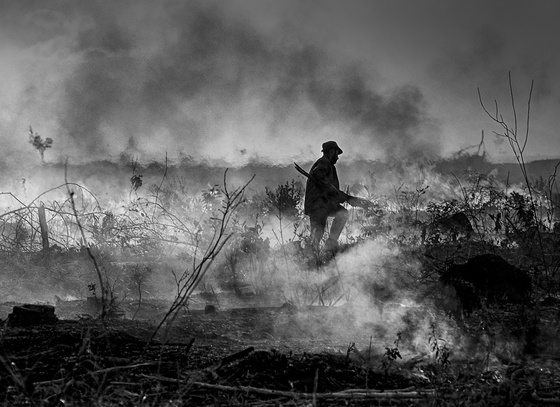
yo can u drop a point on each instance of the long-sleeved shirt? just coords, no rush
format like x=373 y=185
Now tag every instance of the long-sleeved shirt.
x=322 y=188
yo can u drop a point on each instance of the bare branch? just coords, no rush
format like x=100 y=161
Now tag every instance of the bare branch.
x=190 y=279
x=528 y=116
x=513 y=106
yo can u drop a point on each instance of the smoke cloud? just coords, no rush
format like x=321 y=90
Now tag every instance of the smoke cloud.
x=485 y=62
x=192 y=79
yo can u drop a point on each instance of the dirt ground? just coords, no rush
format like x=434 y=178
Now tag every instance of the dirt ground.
x=273 y=355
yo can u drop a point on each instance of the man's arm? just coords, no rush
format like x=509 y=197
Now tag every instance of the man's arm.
x=319 y=177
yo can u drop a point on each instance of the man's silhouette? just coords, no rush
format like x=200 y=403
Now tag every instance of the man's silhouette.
x=323 y=197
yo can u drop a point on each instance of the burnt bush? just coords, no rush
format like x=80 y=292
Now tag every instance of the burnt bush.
x=487 y=278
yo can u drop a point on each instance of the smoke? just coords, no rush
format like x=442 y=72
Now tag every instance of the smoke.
x=193 y=79
x=485 y=61
x=371 y=293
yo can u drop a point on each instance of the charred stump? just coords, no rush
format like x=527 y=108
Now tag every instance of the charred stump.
x=32 y=314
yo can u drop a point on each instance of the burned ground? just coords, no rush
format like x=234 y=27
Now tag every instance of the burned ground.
x=273 y=356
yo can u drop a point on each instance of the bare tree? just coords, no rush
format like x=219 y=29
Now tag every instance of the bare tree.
x=517 y=139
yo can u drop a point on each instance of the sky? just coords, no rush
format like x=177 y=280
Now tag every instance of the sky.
x=250 y=81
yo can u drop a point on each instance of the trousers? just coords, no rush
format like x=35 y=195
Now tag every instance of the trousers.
x=318 y=219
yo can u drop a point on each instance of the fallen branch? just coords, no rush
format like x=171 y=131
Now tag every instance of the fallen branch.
x=363 y=394
x=340 y=395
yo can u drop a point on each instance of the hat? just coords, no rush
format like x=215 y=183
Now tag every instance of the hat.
x=329 y=145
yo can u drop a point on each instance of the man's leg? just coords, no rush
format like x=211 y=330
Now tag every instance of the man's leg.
x=340 y=218
x=318 y=220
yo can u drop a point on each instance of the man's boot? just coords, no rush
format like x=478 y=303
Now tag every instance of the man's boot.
x=331 y=246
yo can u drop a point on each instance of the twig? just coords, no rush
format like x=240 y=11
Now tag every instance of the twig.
x=153 y=344
x=553 y=401
x=100 y=371
x=315 y=385
x=115 y=368
x=160 y=185
x=404 y=390
x=236 y=356
x=215 y=296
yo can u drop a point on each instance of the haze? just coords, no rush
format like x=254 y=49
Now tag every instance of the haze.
x=240 y=82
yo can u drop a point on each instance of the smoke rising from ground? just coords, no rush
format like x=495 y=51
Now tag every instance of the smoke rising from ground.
x=371 y=293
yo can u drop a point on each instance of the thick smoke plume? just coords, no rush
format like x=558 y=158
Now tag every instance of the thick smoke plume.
x=144 y=78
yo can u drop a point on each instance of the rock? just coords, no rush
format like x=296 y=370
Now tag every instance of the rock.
x=32 y=314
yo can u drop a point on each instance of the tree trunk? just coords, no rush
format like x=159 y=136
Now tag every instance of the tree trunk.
x=44 y=227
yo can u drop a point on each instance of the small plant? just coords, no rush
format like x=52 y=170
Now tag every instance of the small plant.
x=246 y=254
x=37 y=141
x=391 y=355
x=438 y=346
x=409 y=201
x=283 y=202
x=139 y=277
x=136 y=181
x=285 y=199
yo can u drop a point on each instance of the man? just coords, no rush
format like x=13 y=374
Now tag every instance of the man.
x=323 y=197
